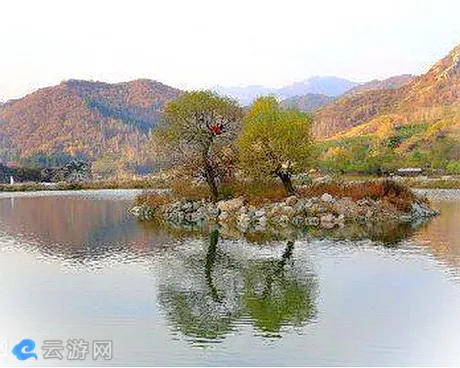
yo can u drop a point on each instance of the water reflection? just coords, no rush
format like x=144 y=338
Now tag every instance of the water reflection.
x=442 y=235
x=77 y=230
x=208 y=292
x=275 y=296
x=159 y=292
x=81 y=230
x=390 y=234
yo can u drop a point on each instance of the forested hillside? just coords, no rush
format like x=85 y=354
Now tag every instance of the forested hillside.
x=426 y=98
x=417 y=124
x=106 y=123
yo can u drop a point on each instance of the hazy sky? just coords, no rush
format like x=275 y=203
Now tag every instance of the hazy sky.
x=194 y=44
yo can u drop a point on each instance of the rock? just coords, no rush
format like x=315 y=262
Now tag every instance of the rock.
x=298 y=221
x=212 y=210
x=244 y=221
x=328 y=221
x=243 y=210
x=291 y=201
x=288 y=211
x=326 y=197
x=283 y=220
x=187 y=207
x=312 y=221
x=231 y=205
x=322 y=179
x=405 y=218
x=303 y=179
x=317 y=209
x=142 y=212
x=260 y=213
x=421 y=210
x=263 y=221
x=362 y=202
x=224 y=216
x=198 y=216
x=361 y=219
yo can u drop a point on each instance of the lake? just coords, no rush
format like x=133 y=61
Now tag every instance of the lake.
x=76 y=266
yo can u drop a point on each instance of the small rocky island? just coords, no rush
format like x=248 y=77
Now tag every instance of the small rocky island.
x=395 y=203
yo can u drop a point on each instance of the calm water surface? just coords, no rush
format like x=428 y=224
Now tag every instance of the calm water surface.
x=75 y=265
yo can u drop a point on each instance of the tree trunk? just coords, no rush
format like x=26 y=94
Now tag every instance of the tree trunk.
x=211 y=180
x=286 y=180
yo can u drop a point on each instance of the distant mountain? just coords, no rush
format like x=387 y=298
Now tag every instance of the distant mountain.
x=431 y=97
x=329 y=86
x=309 y=102
x=389 y=83
x=244 y=95
x=83 y=118
x=313 y=101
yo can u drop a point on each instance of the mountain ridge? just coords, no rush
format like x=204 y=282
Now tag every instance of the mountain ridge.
x=439 y=87
x=326 y=85
x=87 y=118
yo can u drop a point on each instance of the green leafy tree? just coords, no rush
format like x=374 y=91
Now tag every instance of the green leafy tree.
x=199 y=127
x=275 y=142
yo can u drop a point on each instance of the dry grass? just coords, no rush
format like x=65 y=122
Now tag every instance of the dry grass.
x=188 y=190
x=153 y=199
x=397 y=194
x=255 y=192
x=260 y=193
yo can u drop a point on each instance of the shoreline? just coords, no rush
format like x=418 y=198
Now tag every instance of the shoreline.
x=363 y=203
x=155 y=183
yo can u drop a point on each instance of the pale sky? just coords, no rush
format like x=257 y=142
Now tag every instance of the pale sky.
x=198 y=44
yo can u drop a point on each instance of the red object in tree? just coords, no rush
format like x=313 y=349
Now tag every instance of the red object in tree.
x=216 y=129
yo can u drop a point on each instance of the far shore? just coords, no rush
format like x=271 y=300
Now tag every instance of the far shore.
x=415 y=182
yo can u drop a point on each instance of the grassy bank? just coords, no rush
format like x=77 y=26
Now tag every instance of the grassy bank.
x=106 y=184
x=422 y=182
x=432 y=183
x=255 y=192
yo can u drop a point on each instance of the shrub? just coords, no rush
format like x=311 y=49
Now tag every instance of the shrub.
x=188 y=190
x=398 y=195
x=258 y=192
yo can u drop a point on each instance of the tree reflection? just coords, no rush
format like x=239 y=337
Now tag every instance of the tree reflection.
x=208 y=295
x=275 y=297
x=210 y=260
x=198 y=305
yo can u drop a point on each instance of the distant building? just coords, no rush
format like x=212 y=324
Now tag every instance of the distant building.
x=410 y=171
